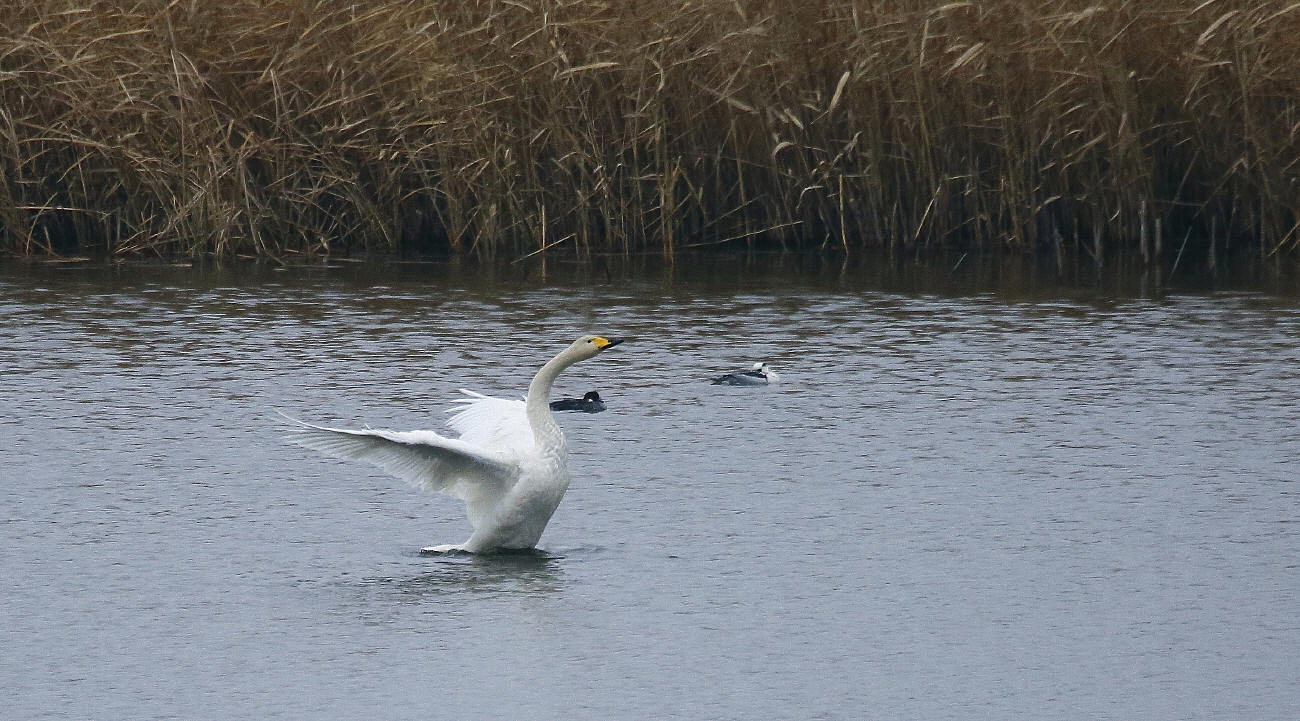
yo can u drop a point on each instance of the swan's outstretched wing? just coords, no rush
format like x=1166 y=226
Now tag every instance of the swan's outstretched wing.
x=492 y=422
x=422 y=458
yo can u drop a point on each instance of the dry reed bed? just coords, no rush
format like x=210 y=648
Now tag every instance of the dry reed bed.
x=513 y=126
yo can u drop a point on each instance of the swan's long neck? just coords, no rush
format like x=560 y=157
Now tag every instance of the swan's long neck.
x=545 y=429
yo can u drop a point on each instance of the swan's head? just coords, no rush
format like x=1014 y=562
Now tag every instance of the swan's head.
x=589 y=345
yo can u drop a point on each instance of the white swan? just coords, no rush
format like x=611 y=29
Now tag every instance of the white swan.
x=508 y=464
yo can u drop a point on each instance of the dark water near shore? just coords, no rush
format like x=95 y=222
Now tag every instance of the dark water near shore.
x=973 y=496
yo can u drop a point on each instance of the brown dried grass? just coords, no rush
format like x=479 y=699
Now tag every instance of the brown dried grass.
x=578 y=126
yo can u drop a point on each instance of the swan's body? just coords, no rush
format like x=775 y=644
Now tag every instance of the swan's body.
x=508 y=464
x=759 y=375
x=590 y=402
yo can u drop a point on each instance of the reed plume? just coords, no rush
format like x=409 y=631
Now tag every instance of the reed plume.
x=274 y=127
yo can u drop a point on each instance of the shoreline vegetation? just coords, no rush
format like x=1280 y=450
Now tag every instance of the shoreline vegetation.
x=502 y=129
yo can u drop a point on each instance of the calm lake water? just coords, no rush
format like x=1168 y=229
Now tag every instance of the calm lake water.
x=970 y=499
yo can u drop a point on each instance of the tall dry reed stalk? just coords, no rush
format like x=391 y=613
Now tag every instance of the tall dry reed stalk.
x=579 y=126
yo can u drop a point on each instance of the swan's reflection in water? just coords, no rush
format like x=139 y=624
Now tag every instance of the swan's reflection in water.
x=517 y=573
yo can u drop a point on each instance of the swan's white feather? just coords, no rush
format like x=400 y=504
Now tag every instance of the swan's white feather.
x=498 y=423
x=424 y=459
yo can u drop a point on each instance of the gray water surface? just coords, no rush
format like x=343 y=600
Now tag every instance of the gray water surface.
x=959 y=505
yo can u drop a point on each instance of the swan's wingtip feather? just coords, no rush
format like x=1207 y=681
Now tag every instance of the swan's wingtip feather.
x=290 y=418
x=300 y=426
x=460 y=403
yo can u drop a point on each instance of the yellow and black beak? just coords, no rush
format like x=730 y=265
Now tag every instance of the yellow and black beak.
x=602 y=343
